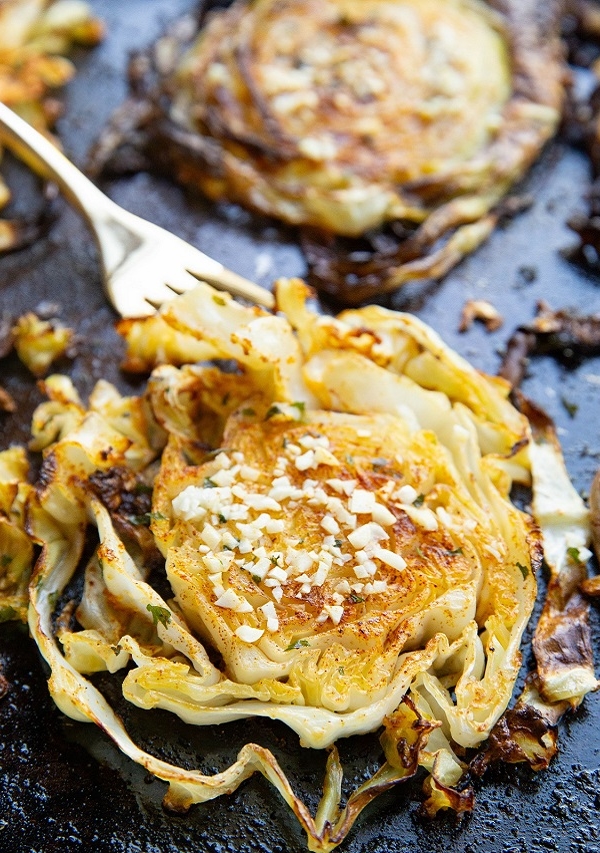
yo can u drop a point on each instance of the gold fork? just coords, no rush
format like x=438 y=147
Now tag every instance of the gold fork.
x=143 y=264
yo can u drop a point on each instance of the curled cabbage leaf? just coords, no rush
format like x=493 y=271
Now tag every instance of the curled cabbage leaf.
x=334 y=514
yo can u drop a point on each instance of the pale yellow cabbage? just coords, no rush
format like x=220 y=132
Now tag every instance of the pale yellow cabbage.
x=416 y=615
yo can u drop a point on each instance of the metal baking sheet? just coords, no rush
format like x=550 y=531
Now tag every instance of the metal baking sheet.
x=63 y=786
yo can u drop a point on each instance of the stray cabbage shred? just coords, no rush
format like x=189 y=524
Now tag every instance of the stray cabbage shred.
x=334 y=518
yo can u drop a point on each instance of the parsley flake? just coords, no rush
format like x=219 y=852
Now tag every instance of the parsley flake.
x=570 y=408
x=219 y=300
x=140 y=520
x=356 y=599
x=523 y=569
x=301 y=408
x=455 y=552
x=297 y=644
x=6 y=560
x=159 y=614
x=574 y=554
x=209 y=484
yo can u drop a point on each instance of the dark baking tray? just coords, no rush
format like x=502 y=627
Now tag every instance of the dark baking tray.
x=63 y=786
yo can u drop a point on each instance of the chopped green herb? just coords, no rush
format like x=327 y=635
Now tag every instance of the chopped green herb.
x=146 y=517
x=140 y=520
x=219 y=300
x=142 y=489
x=209 y=484
x=301 y=408
x=350 y=459
x=341 y=670
x=256 y=578
x=574 y=554
x=227 y=548
x=159 y=614
x=356 y=599
x=571 y=408
x=297 y=644
x=248 y=413
x=455 y=552
x=420 y=553
x=523 y=569
x=418 y=501
x=338 y=543
x=116 y=650
x=7 y=613
x=222 y=518
x=272 y=411
x=53 y=599
x=275 y=559
x=6 y=560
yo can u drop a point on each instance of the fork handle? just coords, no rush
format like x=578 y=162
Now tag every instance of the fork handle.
x=118 y=232
x=46 y=160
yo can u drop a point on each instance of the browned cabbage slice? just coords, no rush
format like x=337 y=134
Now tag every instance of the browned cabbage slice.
x=343 y=536
x=346 y=118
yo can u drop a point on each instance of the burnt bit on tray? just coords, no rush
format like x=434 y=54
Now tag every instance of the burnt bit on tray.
x=522 y=734
x=564 y=334
x=4 y=686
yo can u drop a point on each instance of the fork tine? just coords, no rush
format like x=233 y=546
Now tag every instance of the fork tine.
x=131 y=301
x=237 y=285
x=180 y=280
